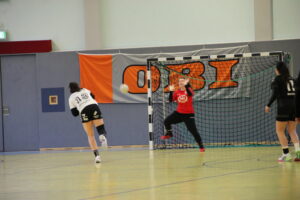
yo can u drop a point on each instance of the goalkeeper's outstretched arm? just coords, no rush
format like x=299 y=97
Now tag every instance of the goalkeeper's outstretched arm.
x=171 y=88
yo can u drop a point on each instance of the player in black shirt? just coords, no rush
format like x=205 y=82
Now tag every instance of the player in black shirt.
x=283 y=91
x=297 y=99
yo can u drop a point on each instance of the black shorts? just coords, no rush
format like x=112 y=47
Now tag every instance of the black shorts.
x=284 y=117
x=90 y=112
x=286 y=111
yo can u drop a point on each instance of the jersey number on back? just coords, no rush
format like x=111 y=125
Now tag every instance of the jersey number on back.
x=290 y=88
x=83 y=96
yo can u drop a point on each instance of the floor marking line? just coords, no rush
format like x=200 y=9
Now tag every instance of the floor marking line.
x=179 y=182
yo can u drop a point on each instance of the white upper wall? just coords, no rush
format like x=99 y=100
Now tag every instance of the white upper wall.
x=59 y=20
x=144 y=23
x=286 y=19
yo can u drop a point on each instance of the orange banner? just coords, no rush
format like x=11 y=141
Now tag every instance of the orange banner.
x=96 y=76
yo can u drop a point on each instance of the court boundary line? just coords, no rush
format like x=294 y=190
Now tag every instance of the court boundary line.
x=209 y=145
x=88 y=148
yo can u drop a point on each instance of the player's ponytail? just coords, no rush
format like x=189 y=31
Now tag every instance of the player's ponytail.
x=283 y=71
x=74 y=87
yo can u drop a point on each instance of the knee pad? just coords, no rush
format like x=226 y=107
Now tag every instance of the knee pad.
x=101 y=130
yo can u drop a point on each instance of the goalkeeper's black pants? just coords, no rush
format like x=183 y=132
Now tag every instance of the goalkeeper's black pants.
x=189 y=120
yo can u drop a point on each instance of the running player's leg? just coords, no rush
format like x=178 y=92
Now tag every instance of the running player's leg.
x=173 y=118
x=292 y=125
x=191 y=126
x=88 y=128
x=280 y=130
x=99 y=124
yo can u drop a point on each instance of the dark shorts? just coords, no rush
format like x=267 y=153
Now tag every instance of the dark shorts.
x=286 y=113
x=285 y=117
x=89 y=113
x=177 y=117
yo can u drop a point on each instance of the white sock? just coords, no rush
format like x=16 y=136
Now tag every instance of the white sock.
x=296 y=145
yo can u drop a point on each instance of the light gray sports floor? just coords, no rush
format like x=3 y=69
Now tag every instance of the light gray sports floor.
x=220 y=173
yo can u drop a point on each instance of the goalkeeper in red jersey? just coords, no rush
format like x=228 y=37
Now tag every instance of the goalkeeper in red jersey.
x=184 y=112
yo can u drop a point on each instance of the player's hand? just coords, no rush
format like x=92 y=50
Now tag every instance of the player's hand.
x=298 y=120
x=267 y=109
x=186 y=81
x=172 y=88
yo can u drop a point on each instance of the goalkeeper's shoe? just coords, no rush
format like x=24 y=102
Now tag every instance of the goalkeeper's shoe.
x=285 y=158
x=168 y=135
x=165 y=137
x=297 y=159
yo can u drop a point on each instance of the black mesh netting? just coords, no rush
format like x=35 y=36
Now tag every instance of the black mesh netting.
x=230 y=96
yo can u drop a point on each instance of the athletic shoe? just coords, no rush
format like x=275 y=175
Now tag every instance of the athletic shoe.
x=202 y=149
x=97 y=159
x=165 y=137
x=285 y=158
x=103 y=140
x=297 y=159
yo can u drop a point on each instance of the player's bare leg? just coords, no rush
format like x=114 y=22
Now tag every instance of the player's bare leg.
x=292 y=125
x=280 y=130
x=88 y=128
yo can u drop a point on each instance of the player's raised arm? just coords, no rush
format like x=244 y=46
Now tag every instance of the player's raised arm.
x=188 y=87
x=171 y=95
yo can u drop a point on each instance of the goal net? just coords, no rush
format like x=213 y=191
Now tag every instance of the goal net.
x=231 y=92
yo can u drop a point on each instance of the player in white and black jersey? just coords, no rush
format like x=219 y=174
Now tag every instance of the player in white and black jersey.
x=283 y=90
x=82 y=102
